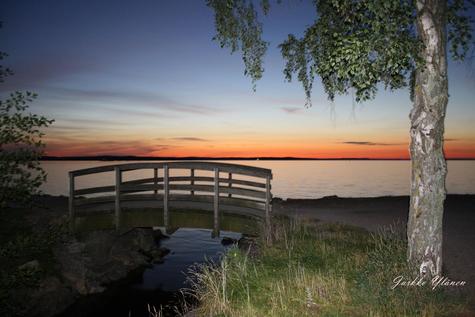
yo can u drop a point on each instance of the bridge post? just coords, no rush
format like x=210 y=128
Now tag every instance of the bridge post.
x=268 y=210
x=155 y=180
x=118 y=181
x=165 y=195
x=216 y=202
x=71 y=199
x=230 y=177
x=192 y=182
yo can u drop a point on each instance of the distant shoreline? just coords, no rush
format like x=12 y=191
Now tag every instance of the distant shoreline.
x=196 y=158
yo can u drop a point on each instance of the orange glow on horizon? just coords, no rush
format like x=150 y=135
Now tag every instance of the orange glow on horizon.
x=202 y=149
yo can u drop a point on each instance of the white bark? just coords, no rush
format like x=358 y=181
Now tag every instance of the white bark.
x=429 y=168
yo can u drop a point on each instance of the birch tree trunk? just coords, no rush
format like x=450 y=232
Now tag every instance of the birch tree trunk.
x=429 y=169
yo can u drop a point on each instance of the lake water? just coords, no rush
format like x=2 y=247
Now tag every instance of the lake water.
x=295 y=179
x=193 y=242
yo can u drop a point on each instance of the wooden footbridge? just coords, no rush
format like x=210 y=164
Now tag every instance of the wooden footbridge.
x=219 y=187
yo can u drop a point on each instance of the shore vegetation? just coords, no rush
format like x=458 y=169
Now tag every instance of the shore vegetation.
x=322 y=270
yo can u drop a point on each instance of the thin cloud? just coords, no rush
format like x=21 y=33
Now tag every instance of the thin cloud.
x=146 y=101
x=183 y=138
x=190 y=138
x=291 y=110
x=108 y=147
x=93 y=122
x=32 y=74
x=368 y=143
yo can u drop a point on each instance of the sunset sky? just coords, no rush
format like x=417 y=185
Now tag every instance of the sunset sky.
x=145 y=78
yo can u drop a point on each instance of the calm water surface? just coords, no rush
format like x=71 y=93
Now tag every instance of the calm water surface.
x=294 y=179
x=160 y=284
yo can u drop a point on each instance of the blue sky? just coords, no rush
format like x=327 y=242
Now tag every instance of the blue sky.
x=145 y=78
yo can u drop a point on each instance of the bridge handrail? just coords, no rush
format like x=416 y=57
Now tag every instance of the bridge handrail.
x=197 y=165
x=123 y=190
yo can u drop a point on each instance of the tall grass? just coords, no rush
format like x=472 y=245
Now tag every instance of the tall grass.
x=323 y=270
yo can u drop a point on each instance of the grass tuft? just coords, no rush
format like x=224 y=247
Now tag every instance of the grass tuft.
x=318 y=270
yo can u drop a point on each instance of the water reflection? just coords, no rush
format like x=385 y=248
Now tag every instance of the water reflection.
x=177 y=219
x=192 y=239
x=160 y=284
x=187 y=246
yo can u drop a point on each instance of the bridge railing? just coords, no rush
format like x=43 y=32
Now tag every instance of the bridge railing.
x=220 y=190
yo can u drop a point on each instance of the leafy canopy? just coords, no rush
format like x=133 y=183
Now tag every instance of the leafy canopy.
x=352 y=44
x=20 y=146
x=20 y=149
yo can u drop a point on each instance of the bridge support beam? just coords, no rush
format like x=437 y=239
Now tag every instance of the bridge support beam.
x=155 y=180
x=71 y=200
x=268 y=207
x=192 y=181
x=165 y=196
x=216 y=202
x=118 y=181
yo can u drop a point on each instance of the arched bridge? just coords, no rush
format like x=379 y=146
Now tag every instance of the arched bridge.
x=183 y=184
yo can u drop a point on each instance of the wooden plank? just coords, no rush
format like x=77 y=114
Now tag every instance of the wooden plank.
x=222 y=189
x=221 y=180
x=94 y=170
x=242 y=182
x=223 y=167
x=141 y=188
x=118 y=181
x=95 y=200
x=155 y=179
x=192 y=181
x=165 y=194
x=268 y=211
x=141 y=165
x=223 y=201
x=143 y=197
x=71 y=196
x=197 y=165
x=143 y=181
x=94 y=190
x=216 y=201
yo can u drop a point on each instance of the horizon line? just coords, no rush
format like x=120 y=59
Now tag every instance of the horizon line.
x=264 y=158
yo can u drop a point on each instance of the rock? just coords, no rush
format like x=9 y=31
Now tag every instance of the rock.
x=160 y=252
x=228 y=241
x=31 y=265
x=249 y=246
x=156 y=254
x=49 y=299
x=102 y=257
x=144 y=238
x=76 y=247
x=158 y=235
